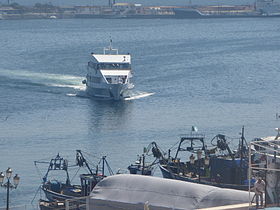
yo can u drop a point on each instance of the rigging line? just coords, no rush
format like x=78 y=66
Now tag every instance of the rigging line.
x=75 y=174
x=109 y=168
x=154 y=169
x=46 y=162
x=39 y=172
x=90 y=162
x=174 y=145
x=99 y=161
x=72 y=166
x=87 y=159
x=87 y=153
x=35 y=194
x=162 y=149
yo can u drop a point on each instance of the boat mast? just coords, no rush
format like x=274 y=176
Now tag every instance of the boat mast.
x=104 y=161
x=241 y=153
x=143 y=164
x=80 y=160
x=110 y=49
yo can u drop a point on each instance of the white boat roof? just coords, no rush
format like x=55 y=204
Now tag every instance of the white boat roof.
x=108 y=58
x=127 y=191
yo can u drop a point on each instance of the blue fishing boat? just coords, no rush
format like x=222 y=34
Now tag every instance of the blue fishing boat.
x=216 y=165
x=61 y=190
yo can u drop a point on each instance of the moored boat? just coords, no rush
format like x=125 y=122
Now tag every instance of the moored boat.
x=217 y=165
x=56 y=190
x=141 y=165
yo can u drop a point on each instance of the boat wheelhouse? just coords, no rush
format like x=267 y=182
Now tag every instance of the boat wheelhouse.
x=109 y=75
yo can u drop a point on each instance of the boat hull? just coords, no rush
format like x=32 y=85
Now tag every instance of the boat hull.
x=108 y=91
x=170 y=175
x=54 y=196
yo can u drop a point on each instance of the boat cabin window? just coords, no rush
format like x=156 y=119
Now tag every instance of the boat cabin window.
x=114 y=66
x=92 y=65
x=109 y=80
x=116 y=79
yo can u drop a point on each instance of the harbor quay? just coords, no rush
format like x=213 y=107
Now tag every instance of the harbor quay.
x=262 y=8
x=133 y=191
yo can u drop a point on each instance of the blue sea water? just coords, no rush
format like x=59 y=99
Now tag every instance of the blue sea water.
x=217 y=74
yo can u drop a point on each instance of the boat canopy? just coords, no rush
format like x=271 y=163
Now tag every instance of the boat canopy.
x=101 y=58
x=127 y=191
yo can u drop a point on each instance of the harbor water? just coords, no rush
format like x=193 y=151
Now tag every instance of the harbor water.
x=217 y=74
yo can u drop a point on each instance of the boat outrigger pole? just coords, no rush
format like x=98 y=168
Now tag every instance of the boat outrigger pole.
x=81 y=161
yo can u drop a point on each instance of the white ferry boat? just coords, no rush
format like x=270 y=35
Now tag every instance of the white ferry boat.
x=109 y=74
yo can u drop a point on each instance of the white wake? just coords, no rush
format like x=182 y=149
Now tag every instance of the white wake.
x=47 y=79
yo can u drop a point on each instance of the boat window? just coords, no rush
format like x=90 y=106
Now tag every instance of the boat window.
x=112 y=66
x=125 y=65
x=109 y=80
x=91 y=64
x=124 y=79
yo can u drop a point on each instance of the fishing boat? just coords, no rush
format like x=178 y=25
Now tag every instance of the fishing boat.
x=216 y=165
x=109 y=74
x=61 y=190
x=141 y=166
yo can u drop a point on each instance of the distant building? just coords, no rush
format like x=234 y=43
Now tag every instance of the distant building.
x=9 y=11
x=268 y=7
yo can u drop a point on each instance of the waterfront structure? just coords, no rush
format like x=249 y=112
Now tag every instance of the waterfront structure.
x=261 y=8
x=266 y=165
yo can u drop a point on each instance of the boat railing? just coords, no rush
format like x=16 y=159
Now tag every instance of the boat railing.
x=266 y=166
x=110 y=51
x=77 y=203
x=193 y=135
